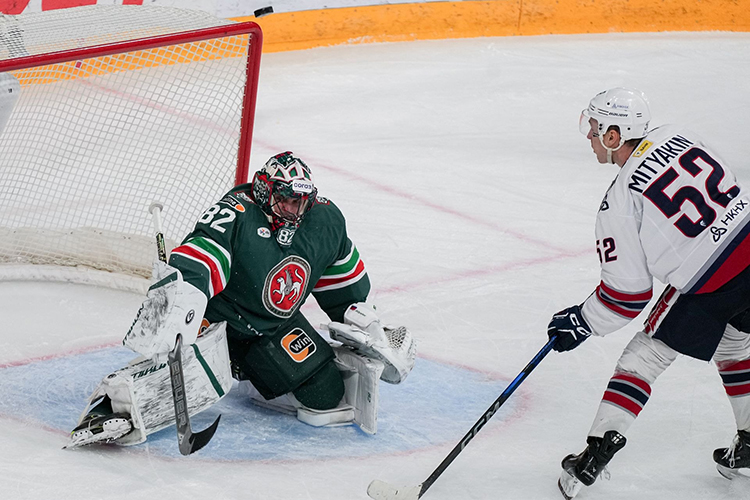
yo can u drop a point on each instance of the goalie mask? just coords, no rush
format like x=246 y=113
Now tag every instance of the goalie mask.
x=285 y=191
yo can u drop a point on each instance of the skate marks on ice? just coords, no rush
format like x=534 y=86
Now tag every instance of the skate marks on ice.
x=416 y=414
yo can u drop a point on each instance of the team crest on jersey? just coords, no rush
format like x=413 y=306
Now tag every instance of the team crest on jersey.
x=298 y=345
x=233 y=202
x=285 y=286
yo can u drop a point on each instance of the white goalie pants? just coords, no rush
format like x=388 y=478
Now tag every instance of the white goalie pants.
x=645 y=358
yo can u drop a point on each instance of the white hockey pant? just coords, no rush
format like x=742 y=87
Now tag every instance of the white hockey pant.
x=143 y=388
x=641 y=363
x=359 y=404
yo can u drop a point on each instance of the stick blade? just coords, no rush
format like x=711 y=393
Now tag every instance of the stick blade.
x=196 y=441
x=380 y=490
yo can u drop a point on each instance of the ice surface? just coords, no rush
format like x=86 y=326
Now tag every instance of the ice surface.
x=471 y=196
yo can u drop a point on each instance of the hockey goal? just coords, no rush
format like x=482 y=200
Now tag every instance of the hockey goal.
x=116 y=107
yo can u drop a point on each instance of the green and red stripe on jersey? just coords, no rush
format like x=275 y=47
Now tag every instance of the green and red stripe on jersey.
x=625 y=304
x=214 y=259
x=342 y=273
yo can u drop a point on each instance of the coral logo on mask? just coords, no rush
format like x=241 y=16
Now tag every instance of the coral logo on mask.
x=299 y=186
x=298 y=345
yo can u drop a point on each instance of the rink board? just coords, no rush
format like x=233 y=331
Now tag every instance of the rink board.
x=417 y=414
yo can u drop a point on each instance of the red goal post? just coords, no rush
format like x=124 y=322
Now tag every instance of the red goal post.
x=119 y=106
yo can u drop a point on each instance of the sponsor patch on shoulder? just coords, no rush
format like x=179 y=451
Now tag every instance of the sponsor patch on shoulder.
x=642 y=148
x=264 y=232
x=321 y=201
x=233 y=202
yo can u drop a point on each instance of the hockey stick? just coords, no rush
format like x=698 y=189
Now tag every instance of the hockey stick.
x=380 y=490
x=188 y=441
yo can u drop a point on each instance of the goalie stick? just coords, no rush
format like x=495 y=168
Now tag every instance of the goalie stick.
x=188 y=441
x=380 y=490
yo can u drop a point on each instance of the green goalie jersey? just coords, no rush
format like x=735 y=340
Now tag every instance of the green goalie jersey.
x=256 y=285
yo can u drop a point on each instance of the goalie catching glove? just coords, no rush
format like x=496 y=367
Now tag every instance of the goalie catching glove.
x=363 y=331
x=172 y=306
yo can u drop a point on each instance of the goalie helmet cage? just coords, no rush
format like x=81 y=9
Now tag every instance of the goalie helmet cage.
x=119 y=107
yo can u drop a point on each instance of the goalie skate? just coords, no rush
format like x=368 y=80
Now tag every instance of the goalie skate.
x=100 y=429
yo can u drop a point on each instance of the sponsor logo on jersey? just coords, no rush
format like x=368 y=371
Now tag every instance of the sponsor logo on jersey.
x=642 y=148
x=728 y=219
x=734 y=211
x=264 y=232
x=233 y=202
x=321 y=200
x=204 y=326
x=285 y=286
x=298 y=345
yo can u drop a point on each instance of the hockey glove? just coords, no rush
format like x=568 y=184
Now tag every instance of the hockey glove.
x=172 y=306
x=362 y=331
x=570 y=327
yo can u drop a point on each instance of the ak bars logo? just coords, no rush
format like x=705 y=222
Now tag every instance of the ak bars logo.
x=298 y=345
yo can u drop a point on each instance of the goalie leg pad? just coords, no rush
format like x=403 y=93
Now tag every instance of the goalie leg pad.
x=143 y=388
x=361 y=376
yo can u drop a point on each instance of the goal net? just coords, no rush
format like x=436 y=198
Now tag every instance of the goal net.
x=109 y=109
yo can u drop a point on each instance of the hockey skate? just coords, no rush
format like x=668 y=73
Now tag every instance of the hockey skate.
x=100 y=425
x=729 y=461
x=583 y=469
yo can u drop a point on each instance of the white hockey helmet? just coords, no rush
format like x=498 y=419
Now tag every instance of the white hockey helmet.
x=626 y=108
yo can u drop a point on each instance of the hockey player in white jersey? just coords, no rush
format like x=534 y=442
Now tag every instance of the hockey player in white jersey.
x=677 y=213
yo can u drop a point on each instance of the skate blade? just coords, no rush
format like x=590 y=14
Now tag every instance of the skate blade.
x=569 y=485
x=111 y=431
x=732 y=474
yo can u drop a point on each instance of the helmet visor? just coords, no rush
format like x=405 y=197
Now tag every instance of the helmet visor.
x=584 y=125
